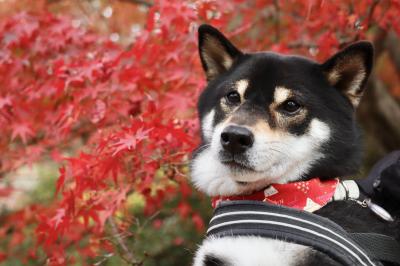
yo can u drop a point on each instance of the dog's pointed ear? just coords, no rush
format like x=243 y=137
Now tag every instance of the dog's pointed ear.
x=348 y=70
x=217 y=53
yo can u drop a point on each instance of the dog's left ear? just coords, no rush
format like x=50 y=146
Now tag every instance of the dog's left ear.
x=217 y=53
x=348 y=70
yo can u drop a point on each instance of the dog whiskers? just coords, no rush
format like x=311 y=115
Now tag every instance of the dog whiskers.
x=201 y=148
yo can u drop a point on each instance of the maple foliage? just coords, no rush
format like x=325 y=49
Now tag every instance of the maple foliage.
x=132 y=109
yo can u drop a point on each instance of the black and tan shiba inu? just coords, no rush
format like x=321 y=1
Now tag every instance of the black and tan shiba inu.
x=268 y=118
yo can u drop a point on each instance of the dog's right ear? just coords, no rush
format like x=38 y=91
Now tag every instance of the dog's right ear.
x=348 y=70
x=217 y=53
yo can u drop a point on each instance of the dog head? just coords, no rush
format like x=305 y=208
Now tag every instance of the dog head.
x=271 y=118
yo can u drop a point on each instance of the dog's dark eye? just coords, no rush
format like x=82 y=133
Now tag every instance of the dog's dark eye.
x=291 y=106
x=233 y=97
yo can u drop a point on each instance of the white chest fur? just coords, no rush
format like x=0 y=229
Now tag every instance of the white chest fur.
x=251 y=251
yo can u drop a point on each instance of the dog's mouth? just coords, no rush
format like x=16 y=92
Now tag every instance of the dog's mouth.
x=241 y=170
x=236 y=163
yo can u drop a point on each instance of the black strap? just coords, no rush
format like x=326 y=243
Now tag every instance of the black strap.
x=232 y=218
x=367 y=184
x=380 y=247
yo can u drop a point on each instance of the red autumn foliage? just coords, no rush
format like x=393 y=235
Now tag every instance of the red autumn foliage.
x=133 y=108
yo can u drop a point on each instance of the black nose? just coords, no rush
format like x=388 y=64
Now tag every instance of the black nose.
x=236 y=139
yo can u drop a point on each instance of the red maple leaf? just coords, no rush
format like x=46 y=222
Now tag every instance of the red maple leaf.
x=4 y=101
x=129 y=142
x=58 y=219
x=22 y=130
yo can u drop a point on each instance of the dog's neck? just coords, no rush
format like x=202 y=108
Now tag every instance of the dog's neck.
x=309 y=195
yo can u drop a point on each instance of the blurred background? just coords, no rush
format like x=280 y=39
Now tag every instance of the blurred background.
x=98 y=119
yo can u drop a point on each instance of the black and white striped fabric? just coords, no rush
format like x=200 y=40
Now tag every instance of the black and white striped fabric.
x=234 y=218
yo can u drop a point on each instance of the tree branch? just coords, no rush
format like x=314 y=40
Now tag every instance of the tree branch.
x=127 y=254
x=387 y=105
x=371 y=12
x=277 y=21
x=392 y=45
x=140 y=2
x=368 y=17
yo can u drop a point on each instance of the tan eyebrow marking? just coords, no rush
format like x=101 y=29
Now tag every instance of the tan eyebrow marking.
x=281 y=94
x=241 y=87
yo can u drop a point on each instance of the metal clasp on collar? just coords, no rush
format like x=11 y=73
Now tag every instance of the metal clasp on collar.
x=348 y=190
x=376 y=209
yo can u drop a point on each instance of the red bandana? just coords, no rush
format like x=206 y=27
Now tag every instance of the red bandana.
x=308 y=195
